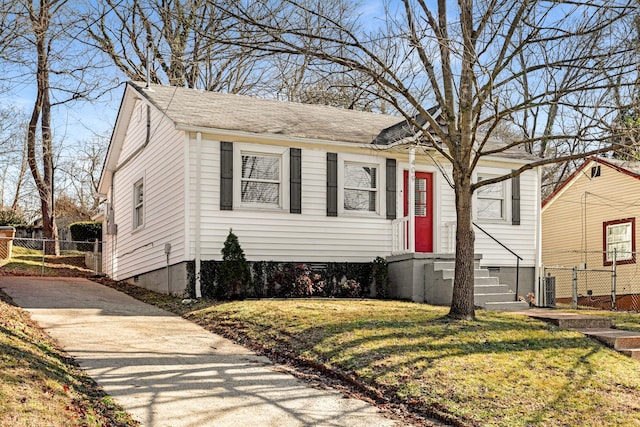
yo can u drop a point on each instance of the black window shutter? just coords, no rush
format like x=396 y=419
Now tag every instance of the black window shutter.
x=515 y=200
x=332 y=184
x=295 y=180
x=391 y=188
x=226 y=176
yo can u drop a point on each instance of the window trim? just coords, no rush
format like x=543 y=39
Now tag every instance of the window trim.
x=138 y=205
x=342 y=163
x=505 y=197
x=282 y=153
x=605 y=225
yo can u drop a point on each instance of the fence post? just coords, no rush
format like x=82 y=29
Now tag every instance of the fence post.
x=574 y=288
x=613 y=280
x=44 y=247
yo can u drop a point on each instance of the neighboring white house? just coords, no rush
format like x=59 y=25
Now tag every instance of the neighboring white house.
x=296 y=183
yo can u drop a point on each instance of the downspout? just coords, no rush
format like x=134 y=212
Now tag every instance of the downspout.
x=197 y=225
x=188 y=254
x=538 y=270
x=411 y=196
x=114 y=237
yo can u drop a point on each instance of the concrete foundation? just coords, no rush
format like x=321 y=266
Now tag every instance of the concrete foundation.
x=173 y=282
x=507 y=276
x=428 y=277
x=407 y=275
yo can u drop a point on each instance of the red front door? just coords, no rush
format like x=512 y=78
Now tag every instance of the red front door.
x=423 y=209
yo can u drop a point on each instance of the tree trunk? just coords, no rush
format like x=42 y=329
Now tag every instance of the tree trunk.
x=462 y=304
x=41 y=113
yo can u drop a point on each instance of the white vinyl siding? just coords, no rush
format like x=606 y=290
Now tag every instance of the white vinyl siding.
x=162 y=166
x=519 y=238
x=277 y=234
x=314 y=237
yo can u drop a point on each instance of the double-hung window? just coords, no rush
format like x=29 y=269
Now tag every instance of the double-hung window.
x=619 y=241
x=260 y=182
x=360 y=187
x=490 y=201
x=138 y=204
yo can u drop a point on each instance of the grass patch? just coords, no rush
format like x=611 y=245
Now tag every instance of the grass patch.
x=40 y=385
x=502 y=369
x=29 y=262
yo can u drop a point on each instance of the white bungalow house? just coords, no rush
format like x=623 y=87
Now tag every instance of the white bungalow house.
x=300 y=183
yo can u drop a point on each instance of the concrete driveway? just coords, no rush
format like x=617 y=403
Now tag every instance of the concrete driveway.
x=167 y=371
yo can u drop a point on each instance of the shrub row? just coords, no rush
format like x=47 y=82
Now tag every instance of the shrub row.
x=272 y=279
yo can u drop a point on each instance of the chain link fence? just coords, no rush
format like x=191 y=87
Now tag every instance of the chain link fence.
x=591 y=279
x=63 y=257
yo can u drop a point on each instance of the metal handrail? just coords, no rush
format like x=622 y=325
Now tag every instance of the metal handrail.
x=518 y=257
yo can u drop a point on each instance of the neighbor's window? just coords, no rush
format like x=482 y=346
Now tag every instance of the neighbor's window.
x=490 y=201
x=260 y=183
x=138 y=204
x=360 y=187
x=619 y=241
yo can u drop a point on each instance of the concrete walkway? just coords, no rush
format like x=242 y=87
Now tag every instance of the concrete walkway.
x=167 y=371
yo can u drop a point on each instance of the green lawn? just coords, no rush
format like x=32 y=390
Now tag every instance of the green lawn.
x=503 y=369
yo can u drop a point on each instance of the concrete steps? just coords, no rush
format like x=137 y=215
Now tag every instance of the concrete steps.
x=626 y=342
x=506 y=306
x=570 y=320
x=488 y=292
x=598 y=328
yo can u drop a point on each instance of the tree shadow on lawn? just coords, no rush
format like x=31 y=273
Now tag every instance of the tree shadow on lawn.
x=439 y=339
x=406 y=350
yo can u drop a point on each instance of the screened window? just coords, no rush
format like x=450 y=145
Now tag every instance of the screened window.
x=360 y=187
x=491 y=201
x=138 y=204
x=260 y=181
x=619 y=241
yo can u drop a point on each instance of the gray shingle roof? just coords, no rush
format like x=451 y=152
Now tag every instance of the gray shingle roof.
x=212 y=110
x=195 y=108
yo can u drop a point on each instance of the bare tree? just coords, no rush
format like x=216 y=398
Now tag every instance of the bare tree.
x=184 y=43
x=470 y=59
x=62 y=73
x=80 y=174
x=12 y=145
x=173 y=42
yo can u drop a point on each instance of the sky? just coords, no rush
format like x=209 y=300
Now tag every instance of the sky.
x=83 y=120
